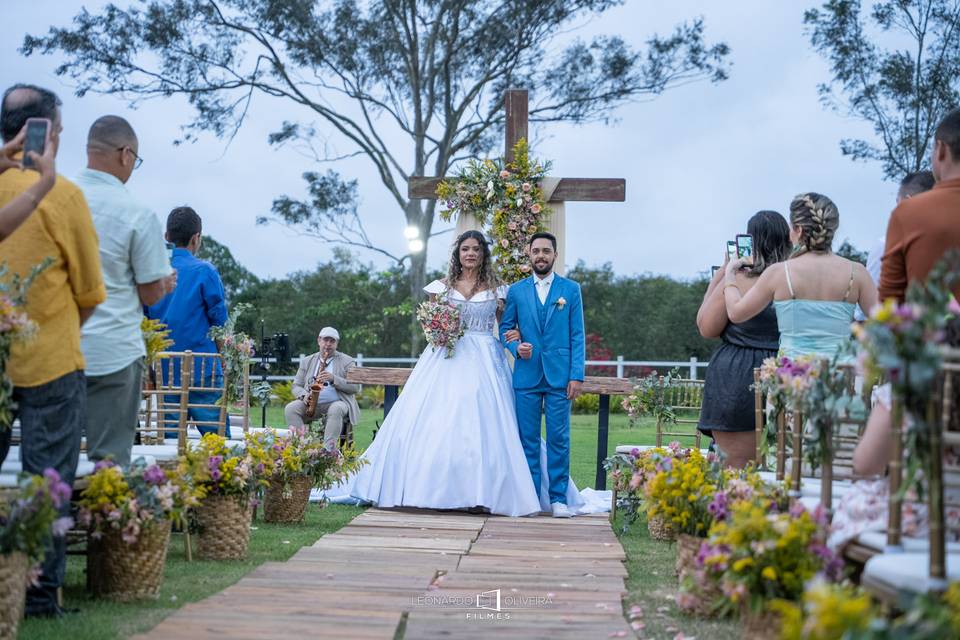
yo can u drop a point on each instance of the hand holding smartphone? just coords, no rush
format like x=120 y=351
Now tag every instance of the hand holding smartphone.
x=731 y=250
x=745 y=248
x=36 y=140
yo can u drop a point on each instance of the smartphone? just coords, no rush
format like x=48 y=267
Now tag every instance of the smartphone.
x=731 y=250
x=38 y=135
x=713 y=271
x=170 y=247
x=745 y=247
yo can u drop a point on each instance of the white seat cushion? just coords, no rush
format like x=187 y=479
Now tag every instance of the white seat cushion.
x=629 y=448
x=810 y=487
x=155 y=451
x=878 y=540
x=8 y=480
x=907 y=571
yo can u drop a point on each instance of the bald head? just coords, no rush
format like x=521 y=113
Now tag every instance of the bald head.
x=24 y=101
x=110 y=133
x=112 y=147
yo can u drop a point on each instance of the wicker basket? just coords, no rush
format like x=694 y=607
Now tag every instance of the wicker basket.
x=13 y=591
x=660 y=529
x=224 y=528
x=759 y=626
x=289 y=505
x=126 y=572
x=687 y=548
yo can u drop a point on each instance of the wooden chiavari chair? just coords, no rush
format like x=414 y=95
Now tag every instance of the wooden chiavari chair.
x=907 y=564
x=685 y=397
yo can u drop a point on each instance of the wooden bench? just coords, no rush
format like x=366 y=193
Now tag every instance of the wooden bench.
x=392 y=379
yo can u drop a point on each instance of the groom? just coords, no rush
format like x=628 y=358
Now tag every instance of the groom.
x=548 y=312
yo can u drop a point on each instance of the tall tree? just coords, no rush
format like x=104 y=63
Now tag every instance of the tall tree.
x=236 y=277
x=366 y=74
x=903 y=90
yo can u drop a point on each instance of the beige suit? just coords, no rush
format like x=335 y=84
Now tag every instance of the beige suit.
x=345 y=408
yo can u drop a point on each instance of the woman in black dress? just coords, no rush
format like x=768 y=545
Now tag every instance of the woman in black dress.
x=727 y=414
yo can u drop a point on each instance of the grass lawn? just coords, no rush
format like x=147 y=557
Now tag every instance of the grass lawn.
x=583 y=437
x=651 y=585
x=183 y=581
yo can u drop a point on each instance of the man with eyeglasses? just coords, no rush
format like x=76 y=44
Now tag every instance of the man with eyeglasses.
x=136 y=271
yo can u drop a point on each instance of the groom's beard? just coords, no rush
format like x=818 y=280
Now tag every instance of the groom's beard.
x=542 y=269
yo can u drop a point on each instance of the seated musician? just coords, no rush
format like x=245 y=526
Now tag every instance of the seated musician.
x=321 y=388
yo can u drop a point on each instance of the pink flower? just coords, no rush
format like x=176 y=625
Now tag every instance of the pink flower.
x=953 y=306
x=504 y=174
x=526 y=186
x=512 y=226
x=536 y=208
x=504 y=243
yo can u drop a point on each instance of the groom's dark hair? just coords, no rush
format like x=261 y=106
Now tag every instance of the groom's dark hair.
x=543 y=234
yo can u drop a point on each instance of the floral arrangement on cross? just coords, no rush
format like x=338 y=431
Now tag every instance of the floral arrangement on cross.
x=506 y=195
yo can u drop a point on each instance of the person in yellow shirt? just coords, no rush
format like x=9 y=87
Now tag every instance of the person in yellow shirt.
x=47 y=373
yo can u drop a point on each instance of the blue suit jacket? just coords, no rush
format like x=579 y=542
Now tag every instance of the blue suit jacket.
x=559 y=348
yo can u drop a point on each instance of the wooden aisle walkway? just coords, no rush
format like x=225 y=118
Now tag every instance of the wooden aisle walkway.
x=415 y=574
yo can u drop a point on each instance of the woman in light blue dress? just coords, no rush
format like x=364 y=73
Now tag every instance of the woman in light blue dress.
x=814 y=293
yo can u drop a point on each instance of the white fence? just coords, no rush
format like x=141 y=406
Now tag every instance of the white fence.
x=692 y=366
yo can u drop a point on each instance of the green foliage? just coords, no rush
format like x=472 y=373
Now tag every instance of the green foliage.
x=850 y=252
x=645 y=317
x=283 y=391
x=903 y=91
x=371 y=397
x=235 y=276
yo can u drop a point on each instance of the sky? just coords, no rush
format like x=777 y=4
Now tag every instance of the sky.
x=698 y=160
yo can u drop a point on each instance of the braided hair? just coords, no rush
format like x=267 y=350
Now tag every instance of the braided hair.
x=487 y=278
x=818 y=218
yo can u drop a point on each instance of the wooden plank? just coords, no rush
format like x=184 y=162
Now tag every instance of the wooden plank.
x=394 y=376
x=567 y=189
x=517 y=115
x=565 y=576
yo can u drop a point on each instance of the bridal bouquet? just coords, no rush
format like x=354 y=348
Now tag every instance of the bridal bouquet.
x=440 y=321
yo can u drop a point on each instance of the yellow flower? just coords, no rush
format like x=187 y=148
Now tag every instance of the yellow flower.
x=742 y=563
x=769 y=573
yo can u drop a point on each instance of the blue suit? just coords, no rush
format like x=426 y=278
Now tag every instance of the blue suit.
x=555 y=330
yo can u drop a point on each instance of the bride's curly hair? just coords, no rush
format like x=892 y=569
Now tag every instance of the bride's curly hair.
x=487 y=278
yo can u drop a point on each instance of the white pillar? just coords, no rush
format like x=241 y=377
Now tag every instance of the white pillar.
x=557 y=222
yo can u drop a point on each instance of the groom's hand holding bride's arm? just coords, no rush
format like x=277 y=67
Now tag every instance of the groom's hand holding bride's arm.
x=509 y=322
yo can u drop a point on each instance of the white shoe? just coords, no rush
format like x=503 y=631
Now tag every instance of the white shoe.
x=560 y=510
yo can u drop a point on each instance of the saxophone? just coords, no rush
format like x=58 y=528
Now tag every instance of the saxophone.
x=315 y=388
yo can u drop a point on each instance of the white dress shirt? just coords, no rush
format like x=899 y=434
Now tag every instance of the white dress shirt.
x=543 y=286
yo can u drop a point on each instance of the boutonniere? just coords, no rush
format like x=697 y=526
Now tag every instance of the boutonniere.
x=561 y=302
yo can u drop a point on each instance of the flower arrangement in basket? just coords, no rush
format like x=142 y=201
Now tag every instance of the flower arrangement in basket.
x=236 y=347
x=15 y=327
x=128 y=513
x=509 y=196
x=225 y=479
x=760 y=557
x=630 y=472
x=699 y=584
x=294 y=464
x=826 y=612
x=649 y=398
x=27 y=522
x=440 y=322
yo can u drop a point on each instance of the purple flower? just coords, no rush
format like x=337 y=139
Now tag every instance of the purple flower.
x=154 y=475
x=61 y=526
x=215 y=462
x=215 y=475
x=718 y=506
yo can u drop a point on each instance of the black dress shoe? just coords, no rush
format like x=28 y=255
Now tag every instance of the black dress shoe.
x=54 y=611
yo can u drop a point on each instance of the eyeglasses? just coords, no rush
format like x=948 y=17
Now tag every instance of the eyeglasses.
x=137 y=160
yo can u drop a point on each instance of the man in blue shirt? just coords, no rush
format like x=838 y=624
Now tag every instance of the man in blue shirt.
x=197 y=304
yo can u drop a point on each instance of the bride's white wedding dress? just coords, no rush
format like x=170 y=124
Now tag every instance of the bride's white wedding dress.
x=451 y=440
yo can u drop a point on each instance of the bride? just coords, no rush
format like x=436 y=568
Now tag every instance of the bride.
x=451 y=439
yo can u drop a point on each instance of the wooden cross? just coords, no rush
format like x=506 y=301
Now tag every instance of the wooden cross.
x=557 y=191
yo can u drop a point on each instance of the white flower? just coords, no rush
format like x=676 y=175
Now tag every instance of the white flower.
x=561 y=302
